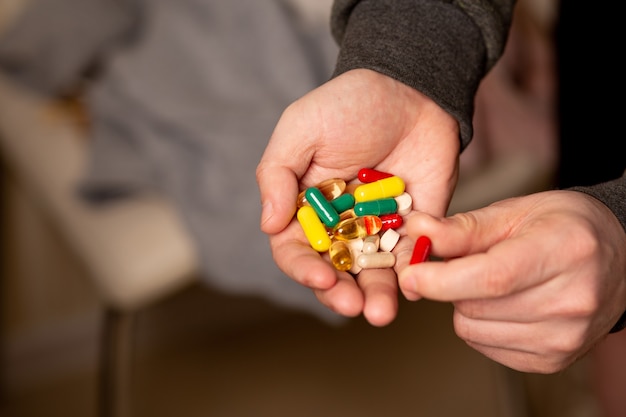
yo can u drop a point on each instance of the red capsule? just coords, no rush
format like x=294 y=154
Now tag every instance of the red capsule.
x=390 y=221
x=421 y=251
x=367 y=175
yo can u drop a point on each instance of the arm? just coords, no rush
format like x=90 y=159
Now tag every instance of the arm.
x=372 y=113
x=446 y=48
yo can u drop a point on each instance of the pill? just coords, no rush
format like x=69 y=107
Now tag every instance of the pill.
x=351 y=187
x=356 y=246
x=330 y=188
x=405 y=203
x=325 y=211
x=391 y=221
x=376 y=207
x=340 y=255
x=421 y=250
x=376 y=260
x=367 y=175
x=348 y=214
x=388 y=240
x=371 y=244
x=385 y=188
x=357 y=227
x=314 y=229
x=343 y=202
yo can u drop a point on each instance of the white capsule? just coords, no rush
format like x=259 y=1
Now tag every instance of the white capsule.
x=388 y=240
x=405 y=203
x=371 y=243
x=356 y=247
x=376 y=260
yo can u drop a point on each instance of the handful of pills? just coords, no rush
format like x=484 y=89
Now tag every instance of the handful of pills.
x=356 y=223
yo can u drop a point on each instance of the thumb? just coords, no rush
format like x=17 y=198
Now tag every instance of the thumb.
x=462 y=233
x=278 y=187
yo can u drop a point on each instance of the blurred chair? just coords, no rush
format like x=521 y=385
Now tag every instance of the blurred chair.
x=136 y=250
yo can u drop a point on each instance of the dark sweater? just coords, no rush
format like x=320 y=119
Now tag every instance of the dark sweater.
x=443 y=49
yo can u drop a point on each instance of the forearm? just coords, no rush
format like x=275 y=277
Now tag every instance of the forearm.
x=440 y=48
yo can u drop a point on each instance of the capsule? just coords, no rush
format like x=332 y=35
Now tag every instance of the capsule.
x=357 y=227
x=405 y=203
x=421 y=250
x=340 y=255
x=343 y=202
x=385 y=188
x=376 y=260
x=376 y=207
x=367 y=175
x=356 y=247
x=314 y=229
x=331 y=188
x=391 y=221
x=371 y=244
x=388 y=240
x=348 y=214
x=325 y=211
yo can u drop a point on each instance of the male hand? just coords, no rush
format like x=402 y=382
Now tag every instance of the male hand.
x=358 y=119
x=536 y=281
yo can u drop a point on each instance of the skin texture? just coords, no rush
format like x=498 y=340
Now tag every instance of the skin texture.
x=536 y=281
x=358 y=119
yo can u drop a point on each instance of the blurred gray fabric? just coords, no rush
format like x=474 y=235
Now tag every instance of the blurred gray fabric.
x=184 y=100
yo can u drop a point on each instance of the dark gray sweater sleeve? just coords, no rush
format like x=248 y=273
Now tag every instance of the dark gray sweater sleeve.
x=441 y=48
x=612 y=194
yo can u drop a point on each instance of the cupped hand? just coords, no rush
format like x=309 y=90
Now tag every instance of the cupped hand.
x=358 y=119
x=536 y=281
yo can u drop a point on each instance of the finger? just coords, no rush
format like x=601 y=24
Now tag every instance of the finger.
x=295 y=257
x=463 y=233
x=528 y=347
x=489 y=245
x=278 y=186
x=345 y=297
x=380 y=289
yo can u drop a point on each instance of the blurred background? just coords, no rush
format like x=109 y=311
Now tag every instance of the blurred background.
x=106 y=309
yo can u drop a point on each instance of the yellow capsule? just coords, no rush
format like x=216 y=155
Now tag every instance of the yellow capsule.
x=340 y=255
x=384 y=188
x=314 y=229
x=331 y=189
x=359 y=227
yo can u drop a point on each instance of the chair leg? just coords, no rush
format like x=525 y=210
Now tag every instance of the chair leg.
x=116 y=364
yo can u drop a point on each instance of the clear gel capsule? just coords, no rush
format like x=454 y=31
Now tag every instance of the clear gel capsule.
x=314 y=229
x=343 y=202
x=391 y=221
x=385 y=188
x=376 y=207
x=358 y=227
x=367 y=175
x=325 y=211
x=331 y=188
x=348 y=214
x=376 y=260
x=340 y=255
